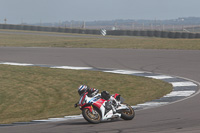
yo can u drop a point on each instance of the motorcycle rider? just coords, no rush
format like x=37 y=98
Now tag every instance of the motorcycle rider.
x=92 y=92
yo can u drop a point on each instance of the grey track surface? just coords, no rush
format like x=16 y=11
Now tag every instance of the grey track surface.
x=180 y=117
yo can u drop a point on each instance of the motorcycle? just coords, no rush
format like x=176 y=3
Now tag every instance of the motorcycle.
x=96 y=109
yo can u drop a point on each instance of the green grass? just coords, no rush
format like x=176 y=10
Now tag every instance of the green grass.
x=17 y=40
x=29 y=93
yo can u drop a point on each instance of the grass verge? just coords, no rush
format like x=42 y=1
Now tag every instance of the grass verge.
x=21 y=40
x=29 y=93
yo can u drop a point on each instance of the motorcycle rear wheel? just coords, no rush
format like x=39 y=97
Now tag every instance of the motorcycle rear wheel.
x=90 y=117
x=128 y=114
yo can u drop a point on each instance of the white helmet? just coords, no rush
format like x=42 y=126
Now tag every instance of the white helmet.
x=82 y=89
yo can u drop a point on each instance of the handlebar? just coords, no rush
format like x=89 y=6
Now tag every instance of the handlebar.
x=76 y=105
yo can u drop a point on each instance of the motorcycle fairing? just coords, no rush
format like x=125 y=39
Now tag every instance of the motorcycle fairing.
x=122 y=106
x=101 y=104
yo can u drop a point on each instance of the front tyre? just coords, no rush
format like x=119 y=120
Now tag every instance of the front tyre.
x=128 y=114
x=94 y=118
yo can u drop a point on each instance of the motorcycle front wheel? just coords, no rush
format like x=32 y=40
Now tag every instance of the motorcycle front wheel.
x=94 y=118
x=128 y=114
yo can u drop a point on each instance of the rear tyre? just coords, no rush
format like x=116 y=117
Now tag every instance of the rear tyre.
x=90 y=117
x=128 y=114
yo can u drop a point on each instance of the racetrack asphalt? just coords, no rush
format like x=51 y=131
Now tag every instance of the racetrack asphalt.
x=178 y=117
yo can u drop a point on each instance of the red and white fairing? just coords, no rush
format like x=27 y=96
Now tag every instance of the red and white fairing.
x=98 y=102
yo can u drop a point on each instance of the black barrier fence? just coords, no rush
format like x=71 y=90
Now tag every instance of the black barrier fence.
x=171 y=34
x=148 y=33
x=157 y=33
x=136 y=33
x=197 y=35
x=177 y=35
x=143 y=33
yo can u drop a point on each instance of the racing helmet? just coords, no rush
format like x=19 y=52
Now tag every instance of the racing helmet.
x=82 y=89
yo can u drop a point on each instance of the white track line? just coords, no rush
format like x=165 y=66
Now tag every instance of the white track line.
x=16 y=64
x=149 y=105
x=153 y=103
x=180 y=93
x=71 y=67
x=123 y=72
x=160 y=77
x=181 y=84
x=60 y=119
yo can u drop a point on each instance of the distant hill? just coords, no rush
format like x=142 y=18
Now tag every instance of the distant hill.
x=130 y=23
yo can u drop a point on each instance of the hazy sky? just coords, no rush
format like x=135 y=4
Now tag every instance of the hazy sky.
x=34 y=11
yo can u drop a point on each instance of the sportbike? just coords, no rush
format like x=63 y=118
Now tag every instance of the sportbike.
x=97 y=108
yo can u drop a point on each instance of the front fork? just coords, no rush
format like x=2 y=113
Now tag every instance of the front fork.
x=91 y=109
x=88 y=107
x=93 y=114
